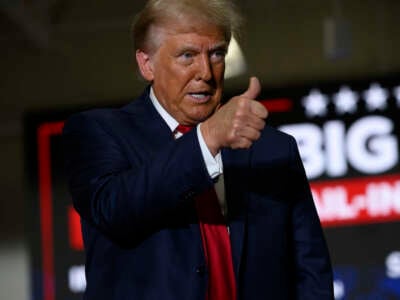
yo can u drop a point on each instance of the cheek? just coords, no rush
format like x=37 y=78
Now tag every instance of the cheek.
x=219 y=71
x=183 y=75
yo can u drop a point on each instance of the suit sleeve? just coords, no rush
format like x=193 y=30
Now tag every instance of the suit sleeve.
x=122 y=195
x=313 y=268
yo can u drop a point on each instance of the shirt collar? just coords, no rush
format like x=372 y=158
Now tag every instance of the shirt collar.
x=171 y=122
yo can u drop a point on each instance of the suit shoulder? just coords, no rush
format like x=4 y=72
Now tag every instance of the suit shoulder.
x=274 y=145
x=278 y=136
x=88 y=118
x=133 y=110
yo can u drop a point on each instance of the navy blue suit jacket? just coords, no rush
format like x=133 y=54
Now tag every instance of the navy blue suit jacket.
x=133 y=186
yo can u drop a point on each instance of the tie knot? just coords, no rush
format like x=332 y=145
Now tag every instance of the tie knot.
x=183 y=128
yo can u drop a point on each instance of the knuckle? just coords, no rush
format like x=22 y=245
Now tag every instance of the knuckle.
x=236 y=125
x=261 y=125
x=231 y=138
x=240 y=111
x=243 y=103
x=247 y=144
x=238 y=114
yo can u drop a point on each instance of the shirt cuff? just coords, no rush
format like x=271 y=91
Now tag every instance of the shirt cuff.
x=213 y=164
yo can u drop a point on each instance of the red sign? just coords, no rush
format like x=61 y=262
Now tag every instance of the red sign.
x=358 y=200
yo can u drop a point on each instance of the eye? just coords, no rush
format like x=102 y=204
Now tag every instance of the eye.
x=186 y=57
x=218 y=56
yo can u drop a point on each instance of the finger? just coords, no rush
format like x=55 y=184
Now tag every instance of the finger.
x=256 y=123
x=253 y=90
x=258 y=109
x=241 y=143
x=249 y=133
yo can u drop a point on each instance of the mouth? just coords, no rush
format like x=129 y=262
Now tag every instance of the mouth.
x=200 y=97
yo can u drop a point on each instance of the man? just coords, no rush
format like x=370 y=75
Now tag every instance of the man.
x=153 y=225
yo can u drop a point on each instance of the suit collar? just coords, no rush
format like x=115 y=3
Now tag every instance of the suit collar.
x=148 y=120
x=171 y=122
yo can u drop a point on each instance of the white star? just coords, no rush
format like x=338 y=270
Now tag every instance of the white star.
x=396 y=92
x=315 y=103
x=376 y=97
x=345 y=100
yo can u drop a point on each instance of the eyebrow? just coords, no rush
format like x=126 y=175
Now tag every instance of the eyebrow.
x=218 y=46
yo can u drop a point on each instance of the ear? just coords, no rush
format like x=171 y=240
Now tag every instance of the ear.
x=145 y=64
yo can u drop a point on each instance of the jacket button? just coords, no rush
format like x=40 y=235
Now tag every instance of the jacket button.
x=189 y=194
x=201 y=270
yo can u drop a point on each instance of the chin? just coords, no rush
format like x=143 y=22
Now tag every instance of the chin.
x=201 y=115
x=203 y=118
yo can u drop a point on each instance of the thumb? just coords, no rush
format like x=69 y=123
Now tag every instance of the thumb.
x=254 y=89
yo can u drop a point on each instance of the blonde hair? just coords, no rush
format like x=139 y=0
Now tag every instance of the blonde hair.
x=159 y=13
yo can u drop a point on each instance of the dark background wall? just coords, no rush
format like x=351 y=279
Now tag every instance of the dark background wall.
x=58 y=54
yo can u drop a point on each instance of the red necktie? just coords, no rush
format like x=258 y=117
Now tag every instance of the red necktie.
x=216 y=244
x=183 y=128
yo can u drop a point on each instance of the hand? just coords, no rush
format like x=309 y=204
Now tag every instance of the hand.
x=238 y=123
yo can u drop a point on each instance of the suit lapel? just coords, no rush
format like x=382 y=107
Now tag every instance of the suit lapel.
x=155 y=131
x=236 y=163
x=148 y=122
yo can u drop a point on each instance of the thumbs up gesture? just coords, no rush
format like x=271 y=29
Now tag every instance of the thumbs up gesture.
x=238 y=123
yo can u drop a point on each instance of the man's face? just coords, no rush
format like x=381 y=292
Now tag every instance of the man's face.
x=187 y=72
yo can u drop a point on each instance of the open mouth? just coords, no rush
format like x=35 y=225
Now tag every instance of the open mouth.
x=200 y=96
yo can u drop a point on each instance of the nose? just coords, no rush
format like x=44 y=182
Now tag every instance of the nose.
x=205 y=69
